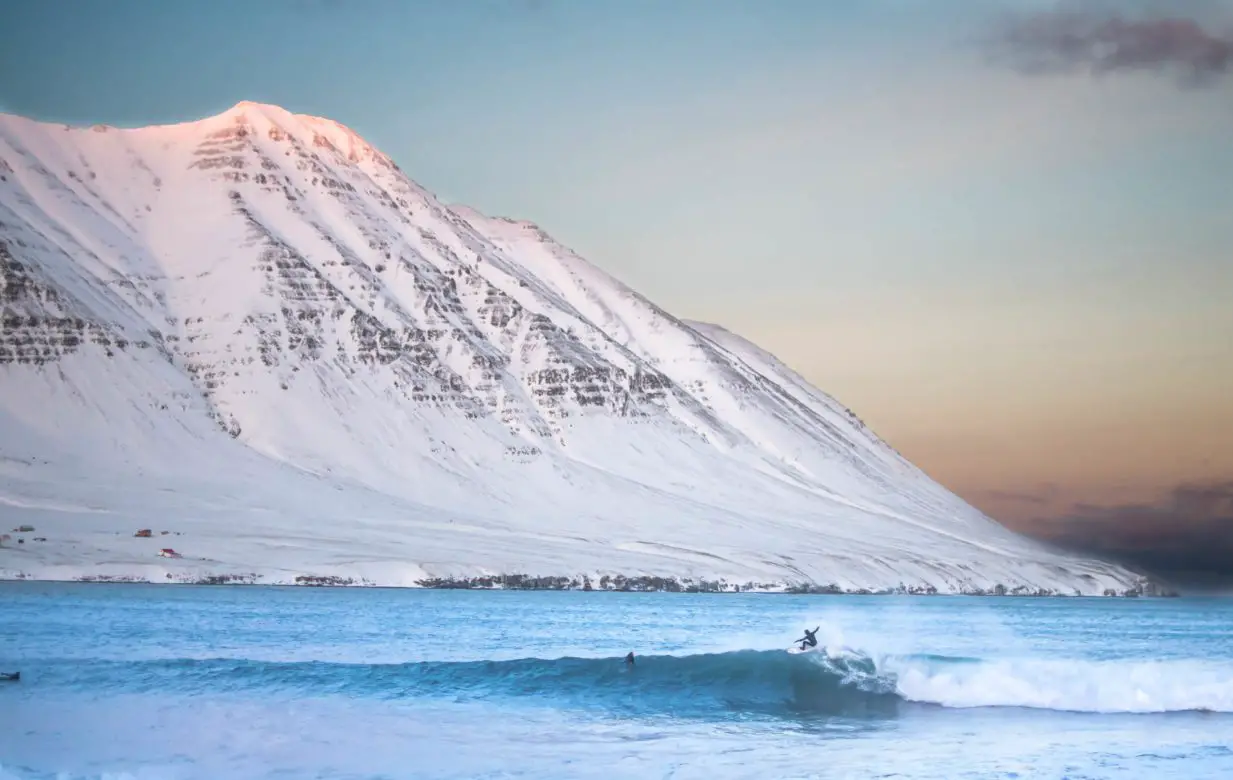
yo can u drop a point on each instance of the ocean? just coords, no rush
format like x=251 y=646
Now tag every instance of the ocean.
x=178 y=681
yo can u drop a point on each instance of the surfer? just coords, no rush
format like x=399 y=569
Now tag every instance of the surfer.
x=629 y=659
x=809 y=640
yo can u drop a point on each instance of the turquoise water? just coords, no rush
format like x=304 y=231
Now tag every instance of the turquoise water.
x=132 y=681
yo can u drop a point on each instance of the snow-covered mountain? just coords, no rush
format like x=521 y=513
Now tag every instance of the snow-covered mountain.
x=255 y=333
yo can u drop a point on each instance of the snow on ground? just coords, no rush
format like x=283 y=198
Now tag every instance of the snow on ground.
x=256 y=334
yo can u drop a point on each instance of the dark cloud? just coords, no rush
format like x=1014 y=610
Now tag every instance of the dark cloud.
x=1187 y=539
x=1099 y=42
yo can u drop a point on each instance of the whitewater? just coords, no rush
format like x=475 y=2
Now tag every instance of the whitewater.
x=145 y=681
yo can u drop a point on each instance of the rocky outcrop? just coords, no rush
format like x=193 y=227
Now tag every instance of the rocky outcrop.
x=39 y=324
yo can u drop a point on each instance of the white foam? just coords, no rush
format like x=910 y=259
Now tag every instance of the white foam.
x=1010 y=670
x=1067 y=685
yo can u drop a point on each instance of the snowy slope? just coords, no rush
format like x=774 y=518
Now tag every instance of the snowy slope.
x=256 y=333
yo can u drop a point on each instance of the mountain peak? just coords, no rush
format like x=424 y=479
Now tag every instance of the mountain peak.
x=253 y=104
x=248 y=110
x=308 y=129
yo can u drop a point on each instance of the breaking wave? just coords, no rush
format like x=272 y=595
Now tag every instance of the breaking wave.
x=1068 y=685
x=771 y=682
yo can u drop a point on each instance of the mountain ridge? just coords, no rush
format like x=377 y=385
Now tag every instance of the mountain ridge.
x=256 y=327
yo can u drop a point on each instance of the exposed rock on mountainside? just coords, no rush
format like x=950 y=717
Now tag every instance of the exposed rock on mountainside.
x=256 y=329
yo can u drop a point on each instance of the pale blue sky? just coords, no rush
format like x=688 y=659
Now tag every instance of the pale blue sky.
x=1020 y=281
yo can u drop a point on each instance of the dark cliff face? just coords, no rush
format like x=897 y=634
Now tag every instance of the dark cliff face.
x=39 y=325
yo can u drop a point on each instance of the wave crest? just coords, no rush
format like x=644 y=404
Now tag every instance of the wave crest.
x=771 y=682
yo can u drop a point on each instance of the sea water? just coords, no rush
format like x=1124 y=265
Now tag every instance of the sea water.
x=169 y=681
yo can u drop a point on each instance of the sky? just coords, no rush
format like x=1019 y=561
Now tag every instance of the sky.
x=1000 y=230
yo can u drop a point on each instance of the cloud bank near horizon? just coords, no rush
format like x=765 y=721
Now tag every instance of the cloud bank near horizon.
x=1097 y=42
x=1186 y=538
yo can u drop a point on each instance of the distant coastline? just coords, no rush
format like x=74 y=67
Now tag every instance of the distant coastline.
x=603 y=584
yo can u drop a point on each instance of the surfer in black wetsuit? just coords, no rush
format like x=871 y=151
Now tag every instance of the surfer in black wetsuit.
x=629 y=659
x=809 y=640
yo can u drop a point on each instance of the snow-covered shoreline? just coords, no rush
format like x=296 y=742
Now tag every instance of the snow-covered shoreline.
x=122 y=539
x=124 y=558
x=576 y=584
